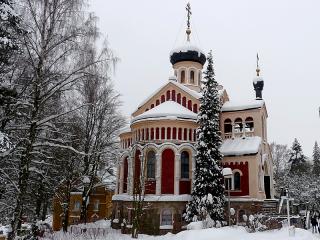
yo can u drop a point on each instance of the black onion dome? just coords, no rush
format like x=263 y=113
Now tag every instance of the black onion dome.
x=187 y=53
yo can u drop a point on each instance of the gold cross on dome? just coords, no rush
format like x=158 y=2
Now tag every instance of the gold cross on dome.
x=188 y=8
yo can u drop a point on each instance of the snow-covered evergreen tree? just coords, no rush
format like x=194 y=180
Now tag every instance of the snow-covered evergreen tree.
x=9 y=32
x=208 y=189
x=316 y=159
x=297 y=159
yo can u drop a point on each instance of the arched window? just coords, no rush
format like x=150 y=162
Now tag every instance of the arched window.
x=152 y=134
x=180 y=134
x=192 y=77
x=166 y=217
x=195 y=108
x=151 y=164
x=168 y=133
x=163 y=99
x=185 y=134
x=163 y=133
x=173 y=95
x=174 y=133
x=185 y=164
x=179 y=98
x=190 y=105
x=183 y=76
x=236 y=181
x=168 y=95
x=249 y=124
x=227 y=126
x=152 y=106
x=157 y=133
x=184 y=101
x=199 y=78
x=238 y=126
x=157 y=102
x=147 y=134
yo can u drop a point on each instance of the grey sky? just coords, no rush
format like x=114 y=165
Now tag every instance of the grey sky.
x=286 y=34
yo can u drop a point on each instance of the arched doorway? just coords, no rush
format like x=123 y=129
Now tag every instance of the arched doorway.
x=167 y=174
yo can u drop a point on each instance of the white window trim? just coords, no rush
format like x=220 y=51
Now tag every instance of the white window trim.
x=232 y=178
x=161 y=216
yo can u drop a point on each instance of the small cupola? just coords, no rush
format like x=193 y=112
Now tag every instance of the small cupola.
x=258 y=82
x=188 y=60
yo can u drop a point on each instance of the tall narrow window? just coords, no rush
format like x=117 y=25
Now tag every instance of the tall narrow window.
x=174 y=133
x=168 y=95
x=184 y=101
x=236 y=181
x=166 y=217
x=96 y=205
x=179 y=98
x=227 y=126
x=77 y=205
x=151 y=164
x=173 y=95
x=185 y=165
x=168 y=133
x=190 y=105
x=163 y=133
x=192 y=77
x=183 y=76
x=249 y=124
x=238 y=126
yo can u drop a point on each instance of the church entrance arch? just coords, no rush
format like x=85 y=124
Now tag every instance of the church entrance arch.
x=167 y=174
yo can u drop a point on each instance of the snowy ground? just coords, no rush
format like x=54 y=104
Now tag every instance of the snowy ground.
x=225 y=233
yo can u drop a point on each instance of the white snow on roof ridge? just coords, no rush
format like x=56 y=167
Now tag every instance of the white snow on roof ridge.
x=167 y=109
x=241 y=146
x=187 y=47
x=193 y=93
x=125 y=129
x=236 y=105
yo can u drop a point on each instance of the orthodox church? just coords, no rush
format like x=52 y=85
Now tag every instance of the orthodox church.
x=158 y=149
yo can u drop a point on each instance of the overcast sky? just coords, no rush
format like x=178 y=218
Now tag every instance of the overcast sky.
x=286 y=34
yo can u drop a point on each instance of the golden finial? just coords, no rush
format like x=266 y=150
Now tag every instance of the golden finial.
x=258 y=69
x=188 y=31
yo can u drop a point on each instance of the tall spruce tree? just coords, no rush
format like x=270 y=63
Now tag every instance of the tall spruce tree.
x=316 y=159
x=208 y=189
x=297 y=159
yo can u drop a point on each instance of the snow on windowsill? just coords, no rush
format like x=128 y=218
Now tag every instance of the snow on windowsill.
x=166 y=227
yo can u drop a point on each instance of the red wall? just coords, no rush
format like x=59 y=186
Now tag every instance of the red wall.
x=244 y=179
x=167 y=175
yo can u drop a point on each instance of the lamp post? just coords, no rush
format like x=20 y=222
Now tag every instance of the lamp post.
x=227 y=174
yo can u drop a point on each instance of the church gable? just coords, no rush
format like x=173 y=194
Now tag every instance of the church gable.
x=172 y=91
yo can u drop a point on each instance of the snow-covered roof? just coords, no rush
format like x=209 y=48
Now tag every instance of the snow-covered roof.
x=237 y=106
x=185 y=48
x=167 y=110
x=125 y=129
x=193 y=93
x=240 y=146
